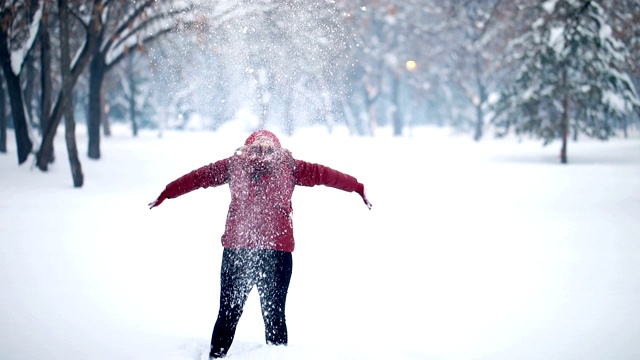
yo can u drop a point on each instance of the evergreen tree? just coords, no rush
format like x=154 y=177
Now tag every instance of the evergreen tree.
x=569 y=75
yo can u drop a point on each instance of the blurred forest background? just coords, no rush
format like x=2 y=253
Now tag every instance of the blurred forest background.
x=551 y=69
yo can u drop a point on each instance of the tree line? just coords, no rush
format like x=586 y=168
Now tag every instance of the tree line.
x=96 y=34
x=550 y=68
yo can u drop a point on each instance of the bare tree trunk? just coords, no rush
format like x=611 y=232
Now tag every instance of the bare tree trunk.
x=289 y=125
x=372 y=93
x=30 y=72
x=3 y=118
x=565 y=132
x=132 y=95
x=104 y=113
x=482 y=98
x=397 y=117
x=262 y=98
x=94 y=113
x=564 y=122
x=352 y=122
x=67 y=89
x=264 y=114
x=373 y=118
x=326 y=111
x=45 y=154
x=45 y=77
x=23 y=142
x=479 y=123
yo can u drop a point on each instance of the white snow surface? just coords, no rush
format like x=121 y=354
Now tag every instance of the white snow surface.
x=489 y=250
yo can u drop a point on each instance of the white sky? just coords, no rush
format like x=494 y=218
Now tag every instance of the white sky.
x=488 y=250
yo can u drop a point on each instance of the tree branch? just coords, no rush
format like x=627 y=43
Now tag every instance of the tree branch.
x=127 y=22
x=78 y=17
x=141 y=26
x=147 y=40
x=490 y=19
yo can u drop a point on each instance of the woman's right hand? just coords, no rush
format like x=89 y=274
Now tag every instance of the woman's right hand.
x=361 y=192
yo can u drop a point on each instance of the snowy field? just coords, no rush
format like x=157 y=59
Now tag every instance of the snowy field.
x=488 y=250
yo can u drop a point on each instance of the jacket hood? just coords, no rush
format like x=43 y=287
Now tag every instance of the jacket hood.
x=262 y=133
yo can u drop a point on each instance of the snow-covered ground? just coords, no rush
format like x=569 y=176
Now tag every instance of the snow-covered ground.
x=488 y=250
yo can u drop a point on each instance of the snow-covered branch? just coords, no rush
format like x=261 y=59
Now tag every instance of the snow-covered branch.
x=19 y=53
x=130 y=33
x=125 y=24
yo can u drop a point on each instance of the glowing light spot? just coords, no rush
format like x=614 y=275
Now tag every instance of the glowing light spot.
x=411 y=65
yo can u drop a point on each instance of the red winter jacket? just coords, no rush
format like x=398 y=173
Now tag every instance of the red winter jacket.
x=259 y=214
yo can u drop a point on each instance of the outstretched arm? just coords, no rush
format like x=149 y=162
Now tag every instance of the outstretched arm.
x=214 y=174
x=309 y=174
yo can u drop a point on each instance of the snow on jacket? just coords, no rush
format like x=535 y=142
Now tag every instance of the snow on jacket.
x=260 y=211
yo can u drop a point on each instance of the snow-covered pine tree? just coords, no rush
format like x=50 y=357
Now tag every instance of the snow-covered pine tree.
x=569 y=75
x=626 y=26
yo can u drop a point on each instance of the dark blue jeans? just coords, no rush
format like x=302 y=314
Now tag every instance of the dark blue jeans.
x=270 y=272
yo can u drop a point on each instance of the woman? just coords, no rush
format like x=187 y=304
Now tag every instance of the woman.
x=258 y=237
